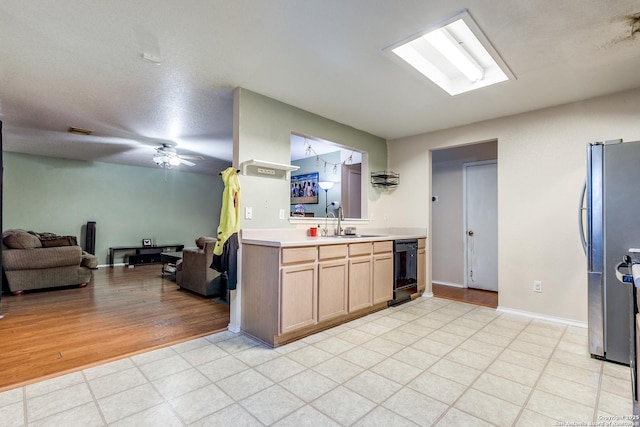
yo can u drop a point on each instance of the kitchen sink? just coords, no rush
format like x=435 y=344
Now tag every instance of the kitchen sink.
x=358 y=236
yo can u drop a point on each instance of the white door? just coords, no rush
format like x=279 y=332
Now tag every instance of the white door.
x=481 y=225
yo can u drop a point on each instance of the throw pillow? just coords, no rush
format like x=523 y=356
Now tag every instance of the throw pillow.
x=20 y=239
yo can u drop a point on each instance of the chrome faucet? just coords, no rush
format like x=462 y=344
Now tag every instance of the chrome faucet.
x=340 y=218
x=325 y=230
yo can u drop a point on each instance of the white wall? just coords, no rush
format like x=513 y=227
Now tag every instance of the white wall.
x=541 y=167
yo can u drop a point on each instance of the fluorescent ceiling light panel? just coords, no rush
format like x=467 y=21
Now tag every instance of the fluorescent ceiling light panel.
x=455 y=55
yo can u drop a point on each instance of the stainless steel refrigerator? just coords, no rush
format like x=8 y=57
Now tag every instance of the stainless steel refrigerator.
x=612 y=200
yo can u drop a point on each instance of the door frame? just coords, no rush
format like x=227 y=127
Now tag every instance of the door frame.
x=464 y=213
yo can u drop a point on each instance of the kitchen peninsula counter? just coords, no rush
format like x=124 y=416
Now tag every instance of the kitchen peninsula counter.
x=294 y=285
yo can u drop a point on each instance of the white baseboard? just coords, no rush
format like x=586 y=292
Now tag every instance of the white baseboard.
x=427 y=295
x=455 y=285
x=553 y=319
x=233 y=328
x=109 y=265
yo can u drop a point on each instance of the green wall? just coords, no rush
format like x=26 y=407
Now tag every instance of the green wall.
x=262 y=131
x=128 y=203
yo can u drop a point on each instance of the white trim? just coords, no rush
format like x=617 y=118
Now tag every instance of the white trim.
x=453 y=285
x=553 y=319
x=427 y=295
x=232 y=328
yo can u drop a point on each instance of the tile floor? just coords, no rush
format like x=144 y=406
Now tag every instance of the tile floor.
x=427 y=362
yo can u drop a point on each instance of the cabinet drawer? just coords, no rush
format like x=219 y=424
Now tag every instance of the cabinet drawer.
x=422 y=243
x=296 y=255
x=386 y=246
x=356 y=249
x=332 y=251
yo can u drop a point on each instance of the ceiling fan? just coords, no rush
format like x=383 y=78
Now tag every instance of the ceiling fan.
x=167 y=157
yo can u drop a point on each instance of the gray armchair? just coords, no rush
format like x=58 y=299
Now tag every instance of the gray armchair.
x=193 y=272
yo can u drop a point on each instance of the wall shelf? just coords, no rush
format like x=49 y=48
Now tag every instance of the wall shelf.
x=385 y=179
x=267 y=169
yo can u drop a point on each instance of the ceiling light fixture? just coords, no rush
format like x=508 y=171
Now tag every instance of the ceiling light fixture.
x=455 y=55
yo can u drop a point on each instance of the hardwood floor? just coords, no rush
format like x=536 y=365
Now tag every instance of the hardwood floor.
x=472 y=296
x=123 y=311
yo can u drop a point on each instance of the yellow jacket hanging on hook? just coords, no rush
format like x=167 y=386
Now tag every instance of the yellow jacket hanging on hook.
x=230 y=212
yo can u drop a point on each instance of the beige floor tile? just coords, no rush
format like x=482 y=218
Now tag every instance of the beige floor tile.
x=570 y=390
x=437 y=387
x=523 y=359
x=343 y=405
x=200 y=403
x=509 y=323
x=404 y=338
x=424 y=413
x=457 y=418
x=491 y=338
x=201 y=355
x=256 y=355
x=45 y=405
x=502 y=388
x=382 y=417
x=475 y=324
x=12 y=396
x=363 y=357
x=334 y=345
x=153 y=356
x=306 y=416
x=238 y=343
x=462 y=331
x=164 y=367
x=502 y=331
x=572 y=373
x=86 y=415
x=160 y=415
x=533 y=419
x=431 y=346
x=396 y=370
x=559 y=408
x=12 y=415
x=446 y=337
x=530 y=348
x=383 y=346
x=403 y=315
x=319 y=336
x=280 y=368
x=309 y=356
x=355 y=336
x=271 y=404
x=441 y=316
x=428 y=322
x=481 y=347
x=53 y=384
x=129 y=402
x=222 y=368
x=615 y=370
x=579 y=361
x=388 y=322
x=233 y=415
x=373 y=329
x=244 y=384
x=414 y=357
x=414 y=328
x=337 y=369
x=292 y=346
x=186 y=346
x=488 y=408
x=579 y=349
x=515 y=373
x=372 y=386
x=308 y=385
x=469 y=358
x=117 y=382
x=108 y=369
x=545 y=330
x=616 y=405
x=538 y=339
x=462 y=374
x=181 y=383
x=616 y=386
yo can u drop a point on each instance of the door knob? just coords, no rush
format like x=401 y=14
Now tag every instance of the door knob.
x=470 y=233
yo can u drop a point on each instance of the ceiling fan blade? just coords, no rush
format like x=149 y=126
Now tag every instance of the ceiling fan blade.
x=186 y=162
x=191 y=157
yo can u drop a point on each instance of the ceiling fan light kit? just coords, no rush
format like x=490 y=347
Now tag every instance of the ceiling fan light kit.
x=167 y=157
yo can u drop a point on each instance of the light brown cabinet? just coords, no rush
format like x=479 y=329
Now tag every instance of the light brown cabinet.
x=332 y=282
x=422 y=265
x=295 y=291
x=382 y=277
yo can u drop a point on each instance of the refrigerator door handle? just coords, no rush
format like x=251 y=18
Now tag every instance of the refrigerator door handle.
x=581 y=209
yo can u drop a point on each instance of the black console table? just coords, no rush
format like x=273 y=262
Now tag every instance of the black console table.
x=144 y=254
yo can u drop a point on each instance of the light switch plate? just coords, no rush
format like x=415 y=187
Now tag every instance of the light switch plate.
x=248 y=212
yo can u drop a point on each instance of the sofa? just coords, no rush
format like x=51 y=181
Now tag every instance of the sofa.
x=193 y=272
x=44 y=260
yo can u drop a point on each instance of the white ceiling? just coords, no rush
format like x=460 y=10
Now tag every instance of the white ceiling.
x=79 y=63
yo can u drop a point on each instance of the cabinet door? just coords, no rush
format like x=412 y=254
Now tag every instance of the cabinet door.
x=360 y=283
x=298 y=290
x=332 y=289
x=422 y=270
x=382 y=278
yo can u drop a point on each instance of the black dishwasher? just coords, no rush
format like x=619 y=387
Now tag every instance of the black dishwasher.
x=405 y=270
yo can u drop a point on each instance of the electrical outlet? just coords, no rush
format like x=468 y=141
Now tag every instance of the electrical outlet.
x=248 y=212
x=537 y=286
x=281 y=213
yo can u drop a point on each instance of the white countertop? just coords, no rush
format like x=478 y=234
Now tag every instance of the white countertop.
x=300 y=237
